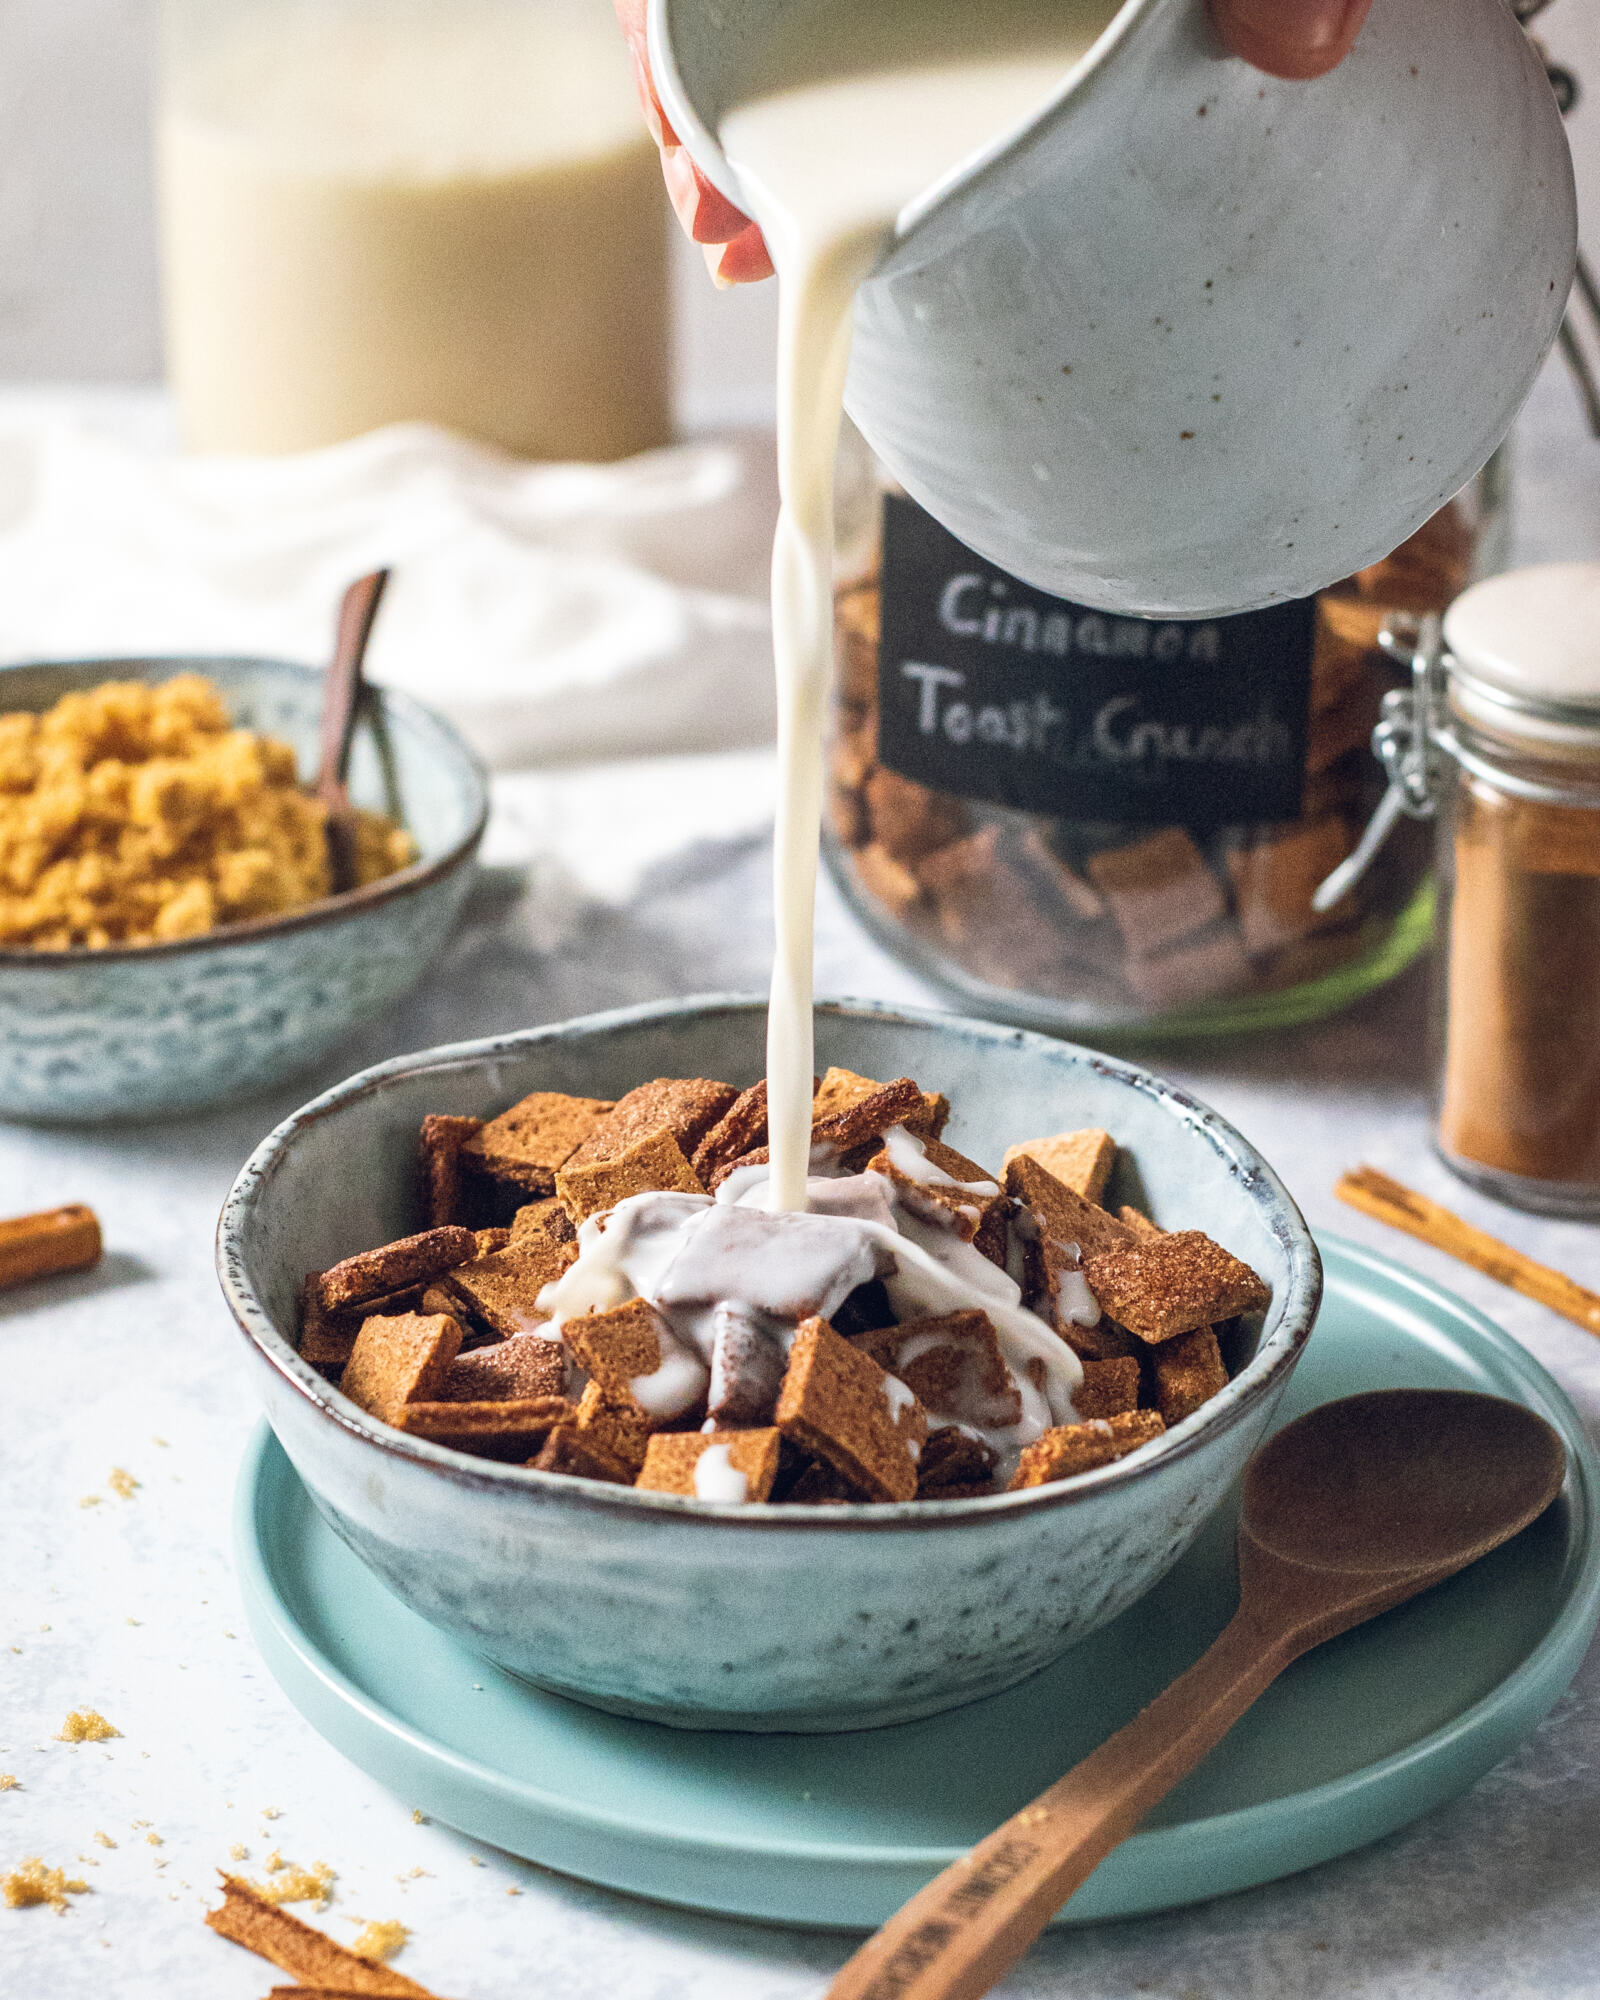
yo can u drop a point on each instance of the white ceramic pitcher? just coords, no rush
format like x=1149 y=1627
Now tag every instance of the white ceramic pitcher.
x=1195 y=339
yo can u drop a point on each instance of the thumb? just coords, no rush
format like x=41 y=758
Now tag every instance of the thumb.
x=1290 y=38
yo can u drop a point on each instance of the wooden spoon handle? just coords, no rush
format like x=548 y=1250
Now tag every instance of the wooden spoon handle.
x=341 y=695
x=964 y=1931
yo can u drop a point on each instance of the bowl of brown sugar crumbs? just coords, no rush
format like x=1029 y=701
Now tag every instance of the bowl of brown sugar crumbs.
x=168 y=933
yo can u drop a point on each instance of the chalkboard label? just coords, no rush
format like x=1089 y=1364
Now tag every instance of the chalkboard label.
x=995 y=691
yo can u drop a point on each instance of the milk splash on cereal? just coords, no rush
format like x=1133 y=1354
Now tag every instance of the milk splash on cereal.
x=715 y=1265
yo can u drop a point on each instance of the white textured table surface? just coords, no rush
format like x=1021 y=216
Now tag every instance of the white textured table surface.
x=129 y=1605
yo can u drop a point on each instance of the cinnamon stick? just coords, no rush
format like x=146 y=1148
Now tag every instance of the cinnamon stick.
x=1375 y=1194
x=307 y=1955
x=42 y=1245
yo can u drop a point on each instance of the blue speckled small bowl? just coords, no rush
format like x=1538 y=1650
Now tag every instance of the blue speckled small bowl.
x=148 y=1030
x=757 y=1617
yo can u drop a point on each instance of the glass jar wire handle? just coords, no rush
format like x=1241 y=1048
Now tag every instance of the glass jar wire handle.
x=1404 y=742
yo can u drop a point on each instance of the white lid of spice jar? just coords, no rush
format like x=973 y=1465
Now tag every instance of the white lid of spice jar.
x=1525 y=652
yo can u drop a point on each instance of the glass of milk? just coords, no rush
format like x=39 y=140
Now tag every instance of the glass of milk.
x=381 y=210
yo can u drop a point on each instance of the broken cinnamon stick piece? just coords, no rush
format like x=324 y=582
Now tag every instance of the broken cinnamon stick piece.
x=49 y=1243
x=306 y=1954
x=1375 y=1194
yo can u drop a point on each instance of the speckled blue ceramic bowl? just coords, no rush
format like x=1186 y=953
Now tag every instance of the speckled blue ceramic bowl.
x=149 y=1030
x=758 y=1617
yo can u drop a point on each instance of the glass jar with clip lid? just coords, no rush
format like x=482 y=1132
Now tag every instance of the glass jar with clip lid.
x=1498 y=741
x=1112 y=826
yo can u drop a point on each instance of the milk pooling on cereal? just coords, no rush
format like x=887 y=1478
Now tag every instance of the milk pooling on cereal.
x=732 y=1280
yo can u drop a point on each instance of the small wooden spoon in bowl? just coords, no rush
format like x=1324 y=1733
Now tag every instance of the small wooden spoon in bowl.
x=1347 y=1512
x=342 y=692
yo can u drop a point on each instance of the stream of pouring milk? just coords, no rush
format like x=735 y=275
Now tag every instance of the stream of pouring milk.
x=826 y=168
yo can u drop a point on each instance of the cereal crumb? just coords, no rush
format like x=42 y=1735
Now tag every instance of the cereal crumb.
x=9 y=1782
x=135 y=1621
x=271 y=1812
x=293 y=1884
x=154 y=1840
x=103 y=1839
x=513 y=1892
x=90 y=1500
x=475 y=1860
x=160 y=1441
x=85 y=1725
x=380 y=1941
x=416 y=1816
x=34 y=1883
x=238 y=1852
x=122 y=1483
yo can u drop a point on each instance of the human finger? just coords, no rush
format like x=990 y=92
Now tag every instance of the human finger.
x=706 y=215
x=1298 y=39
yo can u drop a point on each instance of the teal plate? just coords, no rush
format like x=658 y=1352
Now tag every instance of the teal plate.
x=1353 y=1741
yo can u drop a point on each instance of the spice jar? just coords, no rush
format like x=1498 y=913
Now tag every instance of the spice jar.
x=1098 y=823
x=1503 y=735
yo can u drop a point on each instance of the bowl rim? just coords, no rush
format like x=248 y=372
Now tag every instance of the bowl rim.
x=1286 y=1329
x=326 y=909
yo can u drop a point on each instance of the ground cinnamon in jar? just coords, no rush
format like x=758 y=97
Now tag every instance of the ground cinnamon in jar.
x=1522 y=1050
x=1519 y=988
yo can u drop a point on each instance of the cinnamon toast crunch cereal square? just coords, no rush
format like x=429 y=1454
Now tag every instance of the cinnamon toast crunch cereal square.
x=652 y=1163
x=579 y=1456
x=440 y=1160
x=503 y=1288
x=672 y=1463
x=1159 y=890
x=1073 y=1448
x=413 y=1260
x=842 y=1088
x=853 y=1124
x=1187 y=1371
x=509 y=1430
x=537 y=1135
x=837 y=1403
x=685 y=1106
x=741 y=1129
x=747 y=1366
x=611 y=1419
x=544 y=1219
x=953 y=1364
x=617 y=1345
x=955 y=1464
x=1081 y=1161
x=1059 y=1212
x=520 y=1368
x=1172 y=1284
x=956 y=1194
x=1109 y=1388
x=399 y=1361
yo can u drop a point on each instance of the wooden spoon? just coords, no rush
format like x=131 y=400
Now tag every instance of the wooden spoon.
x=1347 y=1512
x=343 y=690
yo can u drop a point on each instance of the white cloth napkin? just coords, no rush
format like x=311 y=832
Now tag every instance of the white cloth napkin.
x=555 y=612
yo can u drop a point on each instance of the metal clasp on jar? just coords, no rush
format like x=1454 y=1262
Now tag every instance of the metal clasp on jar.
x=1407 y=742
